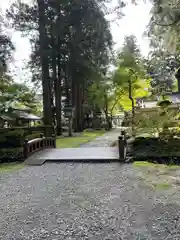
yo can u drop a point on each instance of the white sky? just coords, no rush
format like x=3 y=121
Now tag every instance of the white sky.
x=135 y=20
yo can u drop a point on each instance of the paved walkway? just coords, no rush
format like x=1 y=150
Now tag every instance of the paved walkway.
x=85 y=202
x=105 y=140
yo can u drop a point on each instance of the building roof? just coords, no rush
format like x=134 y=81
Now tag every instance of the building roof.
x=5 y=117
x=24 y=115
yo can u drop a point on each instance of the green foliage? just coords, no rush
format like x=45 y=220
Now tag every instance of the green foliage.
x=112 y=94
x=164 y=103
x=164 y=24
x=9 y=167
x=154 y=120
x=6 y=49
x=163 y=31
x=15 y=138
x=85 y=137
x=12 y=139
x=156 y=146
x=71 y=46
x=32 y=136
x=130 y=71
x=10 y=154
x=13 y=95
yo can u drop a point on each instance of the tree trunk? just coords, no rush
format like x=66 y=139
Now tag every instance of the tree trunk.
x=80 y=107
x=59 y=99
x=132 y=99
x=47 y=109
x=108 y=119
x=74 y=101
x=54 y=73
x=59 y=82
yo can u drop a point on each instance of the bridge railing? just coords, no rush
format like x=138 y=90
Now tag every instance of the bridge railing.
x=38 y=144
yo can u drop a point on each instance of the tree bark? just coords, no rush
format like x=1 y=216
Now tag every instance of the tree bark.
x=47 y=109
x=59 y=99
x=59 y=82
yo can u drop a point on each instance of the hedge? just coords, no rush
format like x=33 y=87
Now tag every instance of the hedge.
x=11 y=154
x=15 y=138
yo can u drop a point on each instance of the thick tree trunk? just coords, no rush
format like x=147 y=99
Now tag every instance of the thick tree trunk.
x=66 y=87
x=44 y=65
x=80 y=107
x=59 y=99
x=57 y=80
x=74 y=103
x=54 y=72
x=77 y=103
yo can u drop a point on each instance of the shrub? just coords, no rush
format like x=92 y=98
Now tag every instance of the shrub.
x=164 y=103
x=11 y=154
x=142 y=141
x=176 y=132
x=32 y=136
x=15 y=138
x=12 y=139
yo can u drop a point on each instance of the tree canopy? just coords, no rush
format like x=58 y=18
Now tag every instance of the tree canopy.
x=72 y=53
x=71 y=45
x=112 y=94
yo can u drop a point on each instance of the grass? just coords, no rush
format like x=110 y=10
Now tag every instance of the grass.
x=158 y=176
x=157 y=166
x=9 y=167
x=76 y=141
x=162 y=186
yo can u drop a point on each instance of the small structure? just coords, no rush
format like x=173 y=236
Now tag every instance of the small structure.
x=18 y=117
x=24 y=118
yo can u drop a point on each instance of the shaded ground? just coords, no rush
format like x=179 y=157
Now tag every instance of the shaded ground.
x=85 y=201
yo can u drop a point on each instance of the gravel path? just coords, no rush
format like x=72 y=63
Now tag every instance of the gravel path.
x=105 y=140
x=84 y=201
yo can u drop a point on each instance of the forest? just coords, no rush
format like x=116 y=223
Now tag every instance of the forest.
x=74 y=62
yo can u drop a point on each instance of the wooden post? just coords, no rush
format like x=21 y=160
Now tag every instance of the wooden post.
x=122 y=148
x=123 y=133
x=70 y=126
x=54 y=140
x=42 y=141
x=25 y=149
